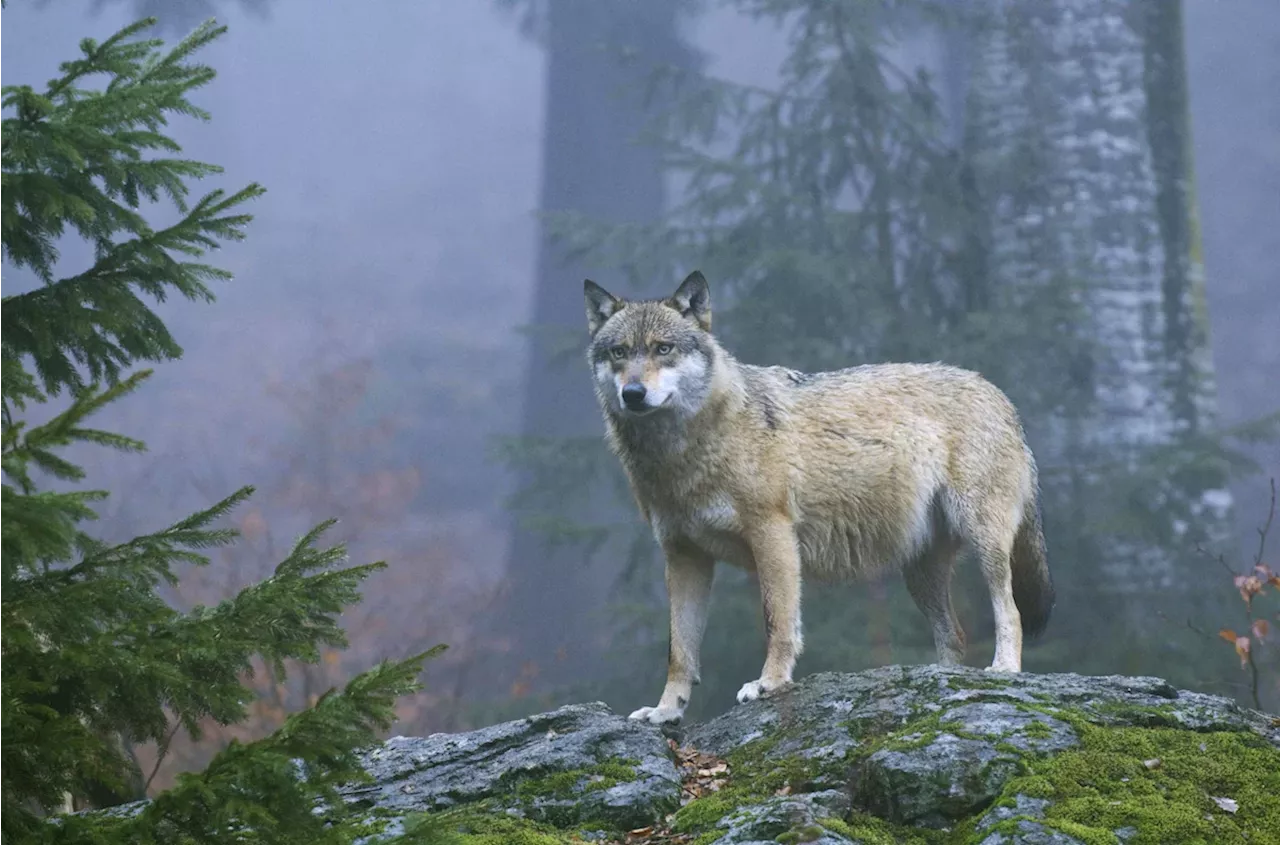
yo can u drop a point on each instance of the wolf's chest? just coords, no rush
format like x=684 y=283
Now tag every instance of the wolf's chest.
x=714 y=526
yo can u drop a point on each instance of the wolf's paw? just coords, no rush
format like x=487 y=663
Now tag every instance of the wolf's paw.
x=657 y=715
x=754 y=689
x=1000 y=667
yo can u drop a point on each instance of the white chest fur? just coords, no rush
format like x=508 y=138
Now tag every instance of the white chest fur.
x=714 y=527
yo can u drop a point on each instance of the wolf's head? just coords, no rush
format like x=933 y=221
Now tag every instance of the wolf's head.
x=651 y=356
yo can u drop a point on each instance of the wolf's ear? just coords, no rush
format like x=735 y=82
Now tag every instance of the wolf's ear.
x=601 y=305
x=693 y=299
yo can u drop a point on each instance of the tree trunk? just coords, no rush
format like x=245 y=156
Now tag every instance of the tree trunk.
x=599 y=54
x=1079 y=136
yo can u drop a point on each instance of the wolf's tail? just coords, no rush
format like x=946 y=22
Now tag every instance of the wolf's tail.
x=1033 y=591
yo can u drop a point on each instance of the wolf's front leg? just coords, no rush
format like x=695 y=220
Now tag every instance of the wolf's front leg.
x=689 y=575
x=777 y=559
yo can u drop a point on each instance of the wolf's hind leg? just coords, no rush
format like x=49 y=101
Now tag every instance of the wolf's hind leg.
x=986 y=516
x=928 y=580
x=689 y=577
x=993 y=542
x=996 y=569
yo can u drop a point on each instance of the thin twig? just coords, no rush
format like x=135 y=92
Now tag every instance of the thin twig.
x=1200 y=631
x=1248 y=605
x=1219 y=558
x=1266 y=526
x=1249 y=661
x=1253 y=681
x=162 y=753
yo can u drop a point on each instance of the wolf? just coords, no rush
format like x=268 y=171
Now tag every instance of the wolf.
x=828 y=476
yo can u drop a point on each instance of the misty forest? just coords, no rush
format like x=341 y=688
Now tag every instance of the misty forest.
x=301 y=450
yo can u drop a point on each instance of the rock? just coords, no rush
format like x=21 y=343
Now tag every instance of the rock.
x=898 y=754
x=788 y=818
x=948 y=773
x=928 y=747
x=1031 y=833
x=1026 y=814
x=577 y=764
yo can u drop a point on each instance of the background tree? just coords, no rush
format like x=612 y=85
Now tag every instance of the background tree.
x=600 y=57
x=1079 y=132
x=94 y=660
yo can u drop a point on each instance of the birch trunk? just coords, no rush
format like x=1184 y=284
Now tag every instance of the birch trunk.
x=1078 y=123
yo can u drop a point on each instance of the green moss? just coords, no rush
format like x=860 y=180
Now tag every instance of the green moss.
x=966 y=682
x=837 y=826
x=1095 y=788
x=754 y=777
x=710 y=836
x=870 y=830
x=907 y=740
x=557 y=798
x=1104 y=784
x=1035 y=786
x=1011 y=828
x=757 y=774
x=1163 y=715
x=917 y=733
x=1087 y=835
x=808 y=833
x=704 y=813
x=1037 y=730
x=475 y=826
x=569 y=784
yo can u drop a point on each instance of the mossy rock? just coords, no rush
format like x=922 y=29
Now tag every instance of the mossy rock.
x=575 y=765
x=1143 y=786
x=948 y=766
x=933 y=755
x=895 y=756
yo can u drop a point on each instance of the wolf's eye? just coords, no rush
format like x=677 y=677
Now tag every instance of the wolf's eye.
x=663 y=348
x=618 y=351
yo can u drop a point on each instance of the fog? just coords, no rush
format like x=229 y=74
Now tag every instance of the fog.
x=371 y=351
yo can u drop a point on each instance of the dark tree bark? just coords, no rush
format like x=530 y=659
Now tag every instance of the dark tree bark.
x=599 y=56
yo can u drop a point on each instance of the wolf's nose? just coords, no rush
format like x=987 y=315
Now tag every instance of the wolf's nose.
x=633 y=395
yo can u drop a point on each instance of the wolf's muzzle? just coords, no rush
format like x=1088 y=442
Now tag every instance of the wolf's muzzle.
x=633 y=396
